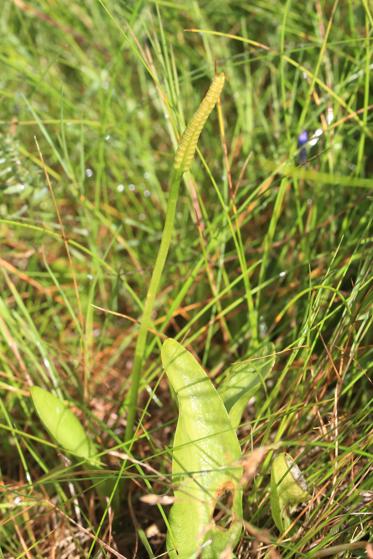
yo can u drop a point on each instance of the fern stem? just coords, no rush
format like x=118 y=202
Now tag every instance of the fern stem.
x=182 y=161
x=145 y=322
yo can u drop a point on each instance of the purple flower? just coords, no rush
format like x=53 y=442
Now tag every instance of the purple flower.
x=302 y=141
x=302 y=138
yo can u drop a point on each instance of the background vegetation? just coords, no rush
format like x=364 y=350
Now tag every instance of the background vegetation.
x=94 y=97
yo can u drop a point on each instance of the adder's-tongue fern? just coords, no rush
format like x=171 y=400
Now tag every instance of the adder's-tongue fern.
x=182 y=162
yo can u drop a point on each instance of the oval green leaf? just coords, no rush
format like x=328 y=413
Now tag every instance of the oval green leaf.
x=288 y=488
x=62 y=424
x=206 y=517
x=243 y=379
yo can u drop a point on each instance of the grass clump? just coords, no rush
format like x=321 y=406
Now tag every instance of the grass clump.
x=272 y=244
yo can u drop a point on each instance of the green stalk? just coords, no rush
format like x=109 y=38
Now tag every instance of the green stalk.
x=175 y=180
x=182 y=161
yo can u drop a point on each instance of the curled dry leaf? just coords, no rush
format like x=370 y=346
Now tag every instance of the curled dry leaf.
x=252 y=461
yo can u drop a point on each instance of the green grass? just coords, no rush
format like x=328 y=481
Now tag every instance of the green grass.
x=94 y=98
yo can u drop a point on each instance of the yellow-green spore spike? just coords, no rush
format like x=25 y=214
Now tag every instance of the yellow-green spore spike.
x=188 y=143
x=62 y=424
